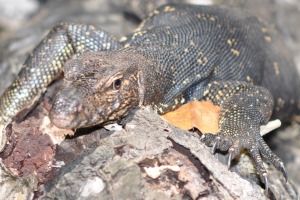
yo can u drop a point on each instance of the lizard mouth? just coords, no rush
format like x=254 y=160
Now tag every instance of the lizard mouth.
x=63 y=121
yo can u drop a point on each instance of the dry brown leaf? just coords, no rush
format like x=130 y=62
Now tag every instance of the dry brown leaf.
x=202 y=115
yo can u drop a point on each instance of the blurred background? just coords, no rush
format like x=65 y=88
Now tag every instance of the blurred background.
x=23 y=23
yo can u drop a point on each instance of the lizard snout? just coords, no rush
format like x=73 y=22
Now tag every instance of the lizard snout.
x=67 y=108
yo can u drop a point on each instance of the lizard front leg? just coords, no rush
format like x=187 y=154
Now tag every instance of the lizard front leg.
x=45 y=63
x=244 y=108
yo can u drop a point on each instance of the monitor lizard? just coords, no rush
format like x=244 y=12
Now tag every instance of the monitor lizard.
x=178 y=54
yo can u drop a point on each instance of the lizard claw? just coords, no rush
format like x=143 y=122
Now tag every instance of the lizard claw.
x=283 y=171
x=216 y=145
x=271 y=157
x=240 y=118
x=256 y=147
x=230 y=157
x=265 y=178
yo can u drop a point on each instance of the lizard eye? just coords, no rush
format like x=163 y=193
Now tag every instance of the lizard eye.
x=117 y=84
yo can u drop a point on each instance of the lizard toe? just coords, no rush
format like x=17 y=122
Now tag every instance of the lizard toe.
x=210 y=140
x=254 y=144
x=217 y=141
x=224 y=144
x=267 y=153
x=232 y=153
x=256 y=155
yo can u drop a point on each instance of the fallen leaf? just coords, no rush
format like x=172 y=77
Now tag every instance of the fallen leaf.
x=202 y=115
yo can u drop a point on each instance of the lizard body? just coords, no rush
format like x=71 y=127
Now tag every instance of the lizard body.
x=178 y=54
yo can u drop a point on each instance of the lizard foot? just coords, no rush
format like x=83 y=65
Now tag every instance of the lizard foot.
x=254 y=144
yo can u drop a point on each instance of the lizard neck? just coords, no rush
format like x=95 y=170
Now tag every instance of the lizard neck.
x=141 y=87
x=153 y=77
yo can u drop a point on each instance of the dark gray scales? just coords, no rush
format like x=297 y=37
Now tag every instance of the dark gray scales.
x=178 y=54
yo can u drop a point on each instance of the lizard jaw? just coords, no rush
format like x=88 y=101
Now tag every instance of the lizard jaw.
x=65 y=122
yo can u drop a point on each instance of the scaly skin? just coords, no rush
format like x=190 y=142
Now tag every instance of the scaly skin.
x=178 y=54
x=46 y=62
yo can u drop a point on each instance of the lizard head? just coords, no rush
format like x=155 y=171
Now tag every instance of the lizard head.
x=97 y=88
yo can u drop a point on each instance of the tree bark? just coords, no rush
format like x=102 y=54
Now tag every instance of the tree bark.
x=151 y=159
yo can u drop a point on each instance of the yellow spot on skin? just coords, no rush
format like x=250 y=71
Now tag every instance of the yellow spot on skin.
x=268 y=38
x=182 y=100
x=205 y=92
x=139 y=28
x=156 y=12
x=138 y=33
x=186 y=50
x=248 y=79
x=264 y=29
x=235 y=52
x=192 y=43
x=203 y=16
x=160 y=110
x=122 y=39
x=176 y=101
x=185 y=82
x=205 y=61
x=276 y=68
x=213 y=18
x=154 y=35
x=229 y=42
x=169 y=9
x=164 y=105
